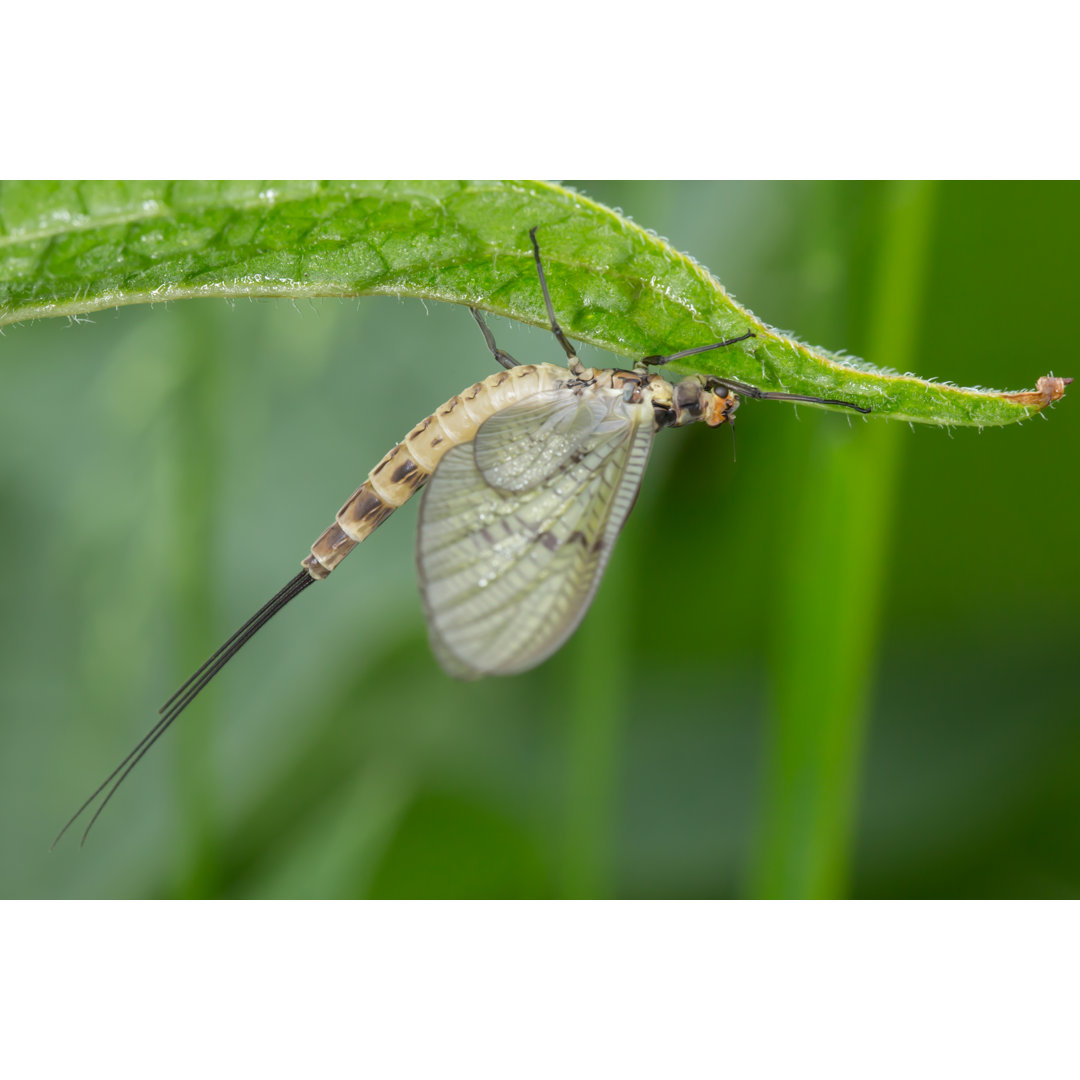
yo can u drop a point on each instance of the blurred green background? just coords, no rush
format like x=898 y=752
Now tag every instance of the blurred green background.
x=163 y=470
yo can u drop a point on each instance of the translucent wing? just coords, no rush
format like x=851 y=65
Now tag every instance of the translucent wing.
x=524 y=443
x=517 y=526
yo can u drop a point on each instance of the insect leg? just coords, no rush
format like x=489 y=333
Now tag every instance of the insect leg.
x=656 y=361
x=575 y=364
x=500 y=355
x=713 y=381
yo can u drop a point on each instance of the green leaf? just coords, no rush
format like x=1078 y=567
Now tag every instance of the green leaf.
x=68 y=248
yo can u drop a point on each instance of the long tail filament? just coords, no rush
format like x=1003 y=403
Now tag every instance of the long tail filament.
x=186 y=695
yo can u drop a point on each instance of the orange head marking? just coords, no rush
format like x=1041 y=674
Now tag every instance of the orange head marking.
x=720 y=408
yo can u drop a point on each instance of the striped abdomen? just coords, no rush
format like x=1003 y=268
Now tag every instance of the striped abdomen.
x=405 y=469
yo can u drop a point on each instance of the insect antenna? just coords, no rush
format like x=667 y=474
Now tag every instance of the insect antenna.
x=776 y=395
x=185 y=696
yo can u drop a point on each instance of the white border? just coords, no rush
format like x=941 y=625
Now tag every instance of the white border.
x=540 y=990
x=674 y=90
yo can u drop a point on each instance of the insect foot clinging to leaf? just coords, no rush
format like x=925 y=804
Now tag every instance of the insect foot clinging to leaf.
x=530 y=476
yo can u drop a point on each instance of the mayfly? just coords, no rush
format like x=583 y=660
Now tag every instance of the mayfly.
x=532 y=472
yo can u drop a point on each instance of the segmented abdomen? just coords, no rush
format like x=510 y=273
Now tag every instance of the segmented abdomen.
x=405 y=469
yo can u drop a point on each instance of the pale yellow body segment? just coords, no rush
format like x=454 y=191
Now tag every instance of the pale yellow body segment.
x=405 y=469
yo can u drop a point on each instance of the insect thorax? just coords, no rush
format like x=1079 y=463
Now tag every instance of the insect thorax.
x=674 y=404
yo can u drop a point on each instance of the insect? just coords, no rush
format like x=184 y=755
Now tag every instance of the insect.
x=532 y=473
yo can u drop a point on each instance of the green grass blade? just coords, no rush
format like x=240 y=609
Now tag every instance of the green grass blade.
x=195 y=500
x=70 y=248
x=830 y=603
x=595 y=709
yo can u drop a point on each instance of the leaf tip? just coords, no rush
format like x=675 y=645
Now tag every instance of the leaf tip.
x=1047 y=390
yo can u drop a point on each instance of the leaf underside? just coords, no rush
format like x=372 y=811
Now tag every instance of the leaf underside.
x=69 y=248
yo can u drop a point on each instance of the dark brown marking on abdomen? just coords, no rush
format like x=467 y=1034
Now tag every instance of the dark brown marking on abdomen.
x=365 y=509
x=403 y=471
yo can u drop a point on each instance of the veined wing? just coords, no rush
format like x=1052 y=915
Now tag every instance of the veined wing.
x=521 y=445
x=510 y=552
